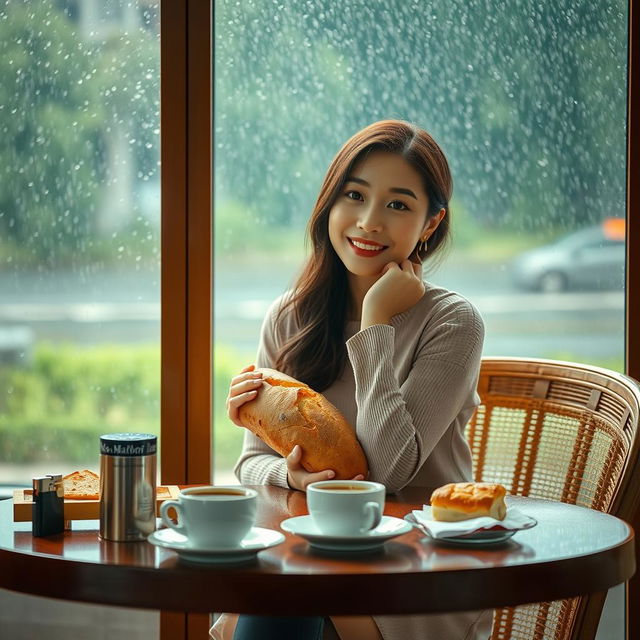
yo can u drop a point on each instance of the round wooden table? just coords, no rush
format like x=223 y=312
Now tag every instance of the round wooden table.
x=573 y=551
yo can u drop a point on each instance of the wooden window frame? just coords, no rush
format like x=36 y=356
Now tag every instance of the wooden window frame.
x=186 y=333
x=632 y=290
x=186 y=327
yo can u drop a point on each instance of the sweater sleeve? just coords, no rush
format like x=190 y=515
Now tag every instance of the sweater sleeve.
x=398 y=425
x=258 y=463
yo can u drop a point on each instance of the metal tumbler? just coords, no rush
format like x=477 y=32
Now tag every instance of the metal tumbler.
x=127 y=486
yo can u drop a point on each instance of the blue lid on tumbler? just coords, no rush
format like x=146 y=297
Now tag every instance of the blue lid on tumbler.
x=128 y=444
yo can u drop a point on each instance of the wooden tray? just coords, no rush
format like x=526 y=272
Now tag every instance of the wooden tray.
x=78 y=509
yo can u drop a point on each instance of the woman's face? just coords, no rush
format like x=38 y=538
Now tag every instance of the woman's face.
x=380 y=214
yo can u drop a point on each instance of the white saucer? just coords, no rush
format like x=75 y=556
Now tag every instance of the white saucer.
x=388 y=528
x=476 y=538
x=256 y=540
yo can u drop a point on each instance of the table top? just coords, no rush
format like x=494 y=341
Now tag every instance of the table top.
x=572 y=551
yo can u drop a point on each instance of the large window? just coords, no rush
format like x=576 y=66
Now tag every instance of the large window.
x=79 y=255
x=79 y=230
x=528 y=101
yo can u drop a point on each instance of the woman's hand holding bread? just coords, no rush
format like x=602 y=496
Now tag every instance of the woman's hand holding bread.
x=299 y=478
x=244 y=388
x=298 y=423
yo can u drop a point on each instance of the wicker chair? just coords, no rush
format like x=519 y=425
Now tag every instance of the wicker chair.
x=562 y=431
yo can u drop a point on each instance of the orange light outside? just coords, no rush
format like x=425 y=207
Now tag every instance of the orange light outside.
x=614 y=228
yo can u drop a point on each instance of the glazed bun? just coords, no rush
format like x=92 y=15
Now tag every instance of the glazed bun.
x=287 y=412
x=466 y=500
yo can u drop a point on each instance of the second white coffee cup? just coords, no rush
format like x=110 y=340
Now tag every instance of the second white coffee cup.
x=345 y=507
x=213 y=517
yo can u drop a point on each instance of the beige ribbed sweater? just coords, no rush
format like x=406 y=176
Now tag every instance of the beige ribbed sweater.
x=409 y=389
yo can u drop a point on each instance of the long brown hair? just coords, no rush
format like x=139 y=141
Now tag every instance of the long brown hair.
x=317 y=354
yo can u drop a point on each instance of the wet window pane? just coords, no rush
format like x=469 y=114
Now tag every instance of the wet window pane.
x=528 y=102
x=79 y=256
x=79 y=230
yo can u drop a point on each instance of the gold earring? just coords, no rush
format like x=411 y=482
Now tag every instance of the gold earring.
x=421 y=247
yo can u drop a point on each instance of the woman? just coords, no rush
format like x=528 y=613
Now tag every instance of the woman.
x=398 y=356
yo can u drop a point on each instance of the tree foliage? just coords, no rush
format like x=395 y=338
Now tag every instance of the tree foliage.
x=61 y=95
x=50 y=142
x=527 y=98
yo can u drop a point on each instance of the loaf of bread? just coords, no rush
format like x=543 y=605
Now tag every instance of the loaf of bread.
x=466 y=500
x=81 y=485
x=287 y=412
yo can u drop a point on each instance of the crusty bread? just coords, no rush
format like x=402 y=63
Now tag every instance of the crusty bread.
x=466 y=500
x=81 y=485
x=288 y=412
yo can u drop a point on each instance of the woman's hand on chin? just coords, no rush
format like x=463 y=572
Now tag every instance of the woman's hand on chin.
x=399 y=289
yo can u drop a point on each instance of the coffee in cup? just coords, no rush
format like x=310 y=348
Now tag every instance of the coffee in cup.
x=347 y=508
x=213 y=517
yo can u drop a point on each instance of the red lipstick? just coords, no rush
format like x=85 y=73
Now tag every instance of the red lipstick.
x=365 y=252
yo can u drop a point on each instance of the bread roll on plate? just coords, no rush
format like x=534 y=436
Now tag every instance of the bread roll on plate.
x=465 y=500
x=287 y=412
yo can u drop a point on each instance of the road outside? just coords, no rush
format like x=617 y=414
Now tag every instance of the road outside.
x=124 y=307
x=588 y=324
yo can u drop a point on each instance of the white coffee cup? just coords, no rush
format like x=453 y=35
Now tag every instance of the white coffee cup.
x=345 y=507
x=213 y=517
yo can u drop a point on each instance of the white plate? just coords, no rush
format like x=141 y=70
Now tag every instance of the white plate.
x=476 y=538
x=388 y=528
x=256 y=540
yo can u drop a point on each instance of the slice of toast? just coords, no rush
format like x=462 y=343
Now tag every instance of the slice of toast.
x=81 y=485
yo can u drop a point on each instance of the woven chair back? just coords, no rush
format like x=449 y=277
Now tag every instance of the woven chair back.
x=561 y=431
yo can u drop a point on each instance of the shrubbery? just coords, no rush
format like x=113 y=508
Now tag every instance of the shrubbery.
x=57 y=407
